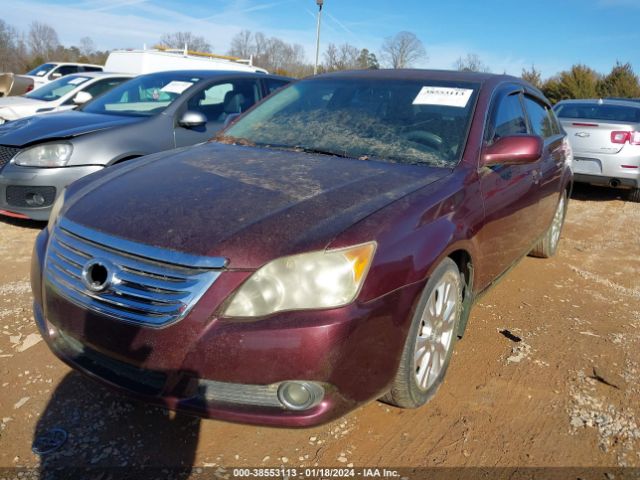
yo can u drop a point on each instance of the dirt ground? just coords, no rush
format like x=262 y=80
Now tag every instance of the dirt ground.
x=567 y=394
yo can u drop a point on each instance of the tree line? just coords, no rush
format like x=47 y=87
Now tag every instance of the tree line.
x=22 y=51
x=581 y=81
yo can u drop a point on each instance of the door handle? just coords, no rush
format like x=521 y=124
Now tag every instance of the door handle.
x=536 y=176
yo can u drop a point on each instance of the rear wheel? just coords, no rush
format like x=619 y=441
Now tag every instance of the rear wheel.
x=634 y=195
x=548 y=244
x=429 y=345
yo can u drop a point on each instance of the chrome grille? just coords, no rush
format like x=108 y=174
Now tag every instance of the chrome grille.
x=141 y=289
x=6 y=154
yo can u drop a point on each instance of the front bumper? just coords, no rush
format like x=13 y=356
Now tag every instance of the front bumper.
x=353 y=352
x=18 y=185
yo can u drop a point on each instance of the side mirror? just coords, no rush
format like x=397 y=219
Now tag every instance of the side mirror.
x=514 y=150
x=55 y=75
x=230 y=119
x=191 y=119
x=82 y=98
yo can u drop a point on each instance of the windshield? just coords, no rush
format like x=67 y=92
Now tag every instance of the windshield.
x=143 y=96
x=611 y=113
x=56 y=89
x=399 y=121
x=42 y=70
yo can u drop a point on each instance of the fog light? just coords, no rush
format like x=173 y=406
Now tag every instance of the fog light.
x=300 y=395
x=34 y=199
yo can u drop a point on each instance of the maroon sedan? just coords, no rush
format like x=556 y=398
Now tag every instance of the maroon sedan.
x=325 y=251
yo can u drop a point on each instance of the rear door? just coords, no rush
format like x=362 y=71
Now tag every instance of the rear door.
x=216 y=101
x=509 y=192
x=542 y=122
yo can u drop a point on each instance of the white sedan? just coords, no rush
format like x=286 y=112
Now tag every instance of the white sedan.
x=65 y=93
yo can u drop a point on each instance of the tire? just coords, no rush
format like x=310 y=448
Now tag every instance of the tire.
x=548 y=244
x=634 y=195
x=416 y=382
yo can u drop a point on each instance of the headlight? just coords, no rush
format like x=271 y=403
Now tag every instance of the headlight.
x=47 y=155
x=313 y=280
x=55 y=210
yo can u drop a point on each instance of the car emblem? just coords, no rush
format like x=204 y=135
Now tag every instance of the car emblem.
x=583 y=134
x=97 y=275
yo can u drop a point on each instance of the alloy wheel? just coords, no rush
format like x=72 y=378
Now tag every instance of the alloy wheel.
x=436 y=330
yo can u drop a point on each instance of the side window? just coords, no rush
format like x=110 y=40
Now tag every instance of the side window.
x=555 y=124
x=101 y=86
x=91 y=69
x=274 y=84
x=541 y=121
x=508 y=119
x=218 y=101
x=67 y=70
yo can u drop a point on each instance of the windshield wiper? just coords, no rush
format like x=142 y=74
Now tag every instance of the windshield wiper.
x=319 y=151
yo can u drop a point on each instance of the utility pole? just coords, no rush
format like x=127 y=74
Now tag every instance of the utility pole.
x=315 y=67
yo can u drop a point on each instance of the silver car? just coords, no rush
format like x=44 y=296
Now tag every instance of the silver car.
x=605 y=138
x=41 y=155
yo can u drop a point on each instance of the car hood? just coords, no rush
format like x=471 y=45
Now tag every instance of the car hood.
x=16 y=107
x=247 y=204
x=59 y=125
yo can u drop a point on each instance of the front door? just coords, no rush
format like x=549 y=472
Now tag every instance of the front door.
x=509 y=193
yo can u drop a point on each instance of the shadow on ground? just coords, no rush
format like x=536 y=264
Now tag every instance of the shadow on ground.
x=25 y=223
x=586 y=192
x=110 y=436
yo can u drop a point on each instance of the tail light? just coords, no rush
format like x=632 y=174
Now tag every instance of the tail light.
x=623 y=137
x=29 y=88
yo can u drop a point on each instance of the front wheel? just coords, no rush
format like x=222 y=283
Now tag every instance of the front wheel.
x=429 y=345
x=548 y=244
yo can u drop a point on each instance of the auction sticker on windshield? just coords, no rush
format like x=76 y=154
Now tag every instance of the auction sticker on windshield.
x=78 y=81
x=445 y=96
x=176 y=86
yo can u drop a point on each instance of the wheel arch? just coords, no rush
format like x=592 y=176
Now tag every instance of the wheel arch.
x=463 y=259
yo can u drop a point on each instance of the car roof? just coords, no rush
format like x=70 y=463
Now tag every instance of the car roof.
x=100 y=75
x=601 y=101
x=74 y=63
x=420 y=74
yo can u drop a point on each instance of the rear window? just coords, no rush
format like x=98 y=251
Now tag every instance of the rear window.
x=611 y=113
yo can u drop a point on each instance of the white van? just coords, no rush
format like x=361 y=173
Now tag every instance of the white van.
x=139 y=62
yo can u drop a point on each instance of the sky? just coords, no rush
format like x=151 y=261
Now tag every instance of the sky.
x=506 y=35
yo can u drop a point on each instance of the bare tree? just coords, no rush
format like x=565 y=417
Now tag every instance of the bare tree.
x=12 y=49
x=402 y=50
x=242 y=44
x=471 y=63
x=86 y=47
x=180 y=39
x=344 y=57
x=43 y=40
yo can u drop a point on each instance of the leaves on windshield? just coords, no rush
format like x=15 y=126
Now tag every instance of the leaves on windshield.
x=345 y=133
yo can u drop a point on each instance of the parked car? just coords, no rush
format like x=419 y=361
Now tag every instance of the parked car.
x=324 y=252
x=605 y=137
x=12 y=84
x=51 y=71
x=60 y=95
x=41 y=155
